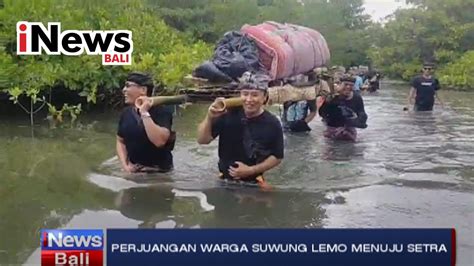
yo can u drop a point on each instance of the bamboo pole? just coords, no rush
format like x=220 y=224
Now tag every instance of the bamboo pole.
x=161 y=100
x=222 y=104
x=276 y=95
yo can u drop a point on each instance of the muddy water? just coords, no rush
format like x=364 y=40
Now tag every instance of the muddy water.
x=406 y=170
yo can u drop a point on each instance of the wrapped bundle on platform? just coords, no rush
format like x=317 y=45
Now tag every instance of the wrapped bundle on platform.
x=234 y=54
x=281 y=50
x=287 y=50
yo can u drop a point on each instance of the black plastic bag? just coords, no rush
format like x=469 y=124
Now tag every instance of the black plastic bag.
x=235 y=54
x=210 y=72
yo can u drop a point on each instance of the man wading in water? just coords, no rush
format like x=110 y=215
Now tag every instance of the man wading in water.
x=250 y=138
x=297 y=115
x=144 y=137
x=344 y=113
x=424 y=89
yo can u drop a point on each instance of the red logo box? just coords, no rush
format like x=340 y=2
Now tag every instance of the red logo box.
x=72 y=247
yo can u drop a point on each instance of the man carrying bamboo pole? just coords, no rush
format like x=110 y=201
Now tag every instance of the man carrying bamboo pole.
x=144 y=136
x=344 y=112
x=250 y=138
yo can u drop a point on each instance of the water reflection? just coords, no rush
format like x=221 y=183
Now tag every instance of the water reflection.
x=233 y=207
x=149 y=205
x=342 y=150
x=405 y=169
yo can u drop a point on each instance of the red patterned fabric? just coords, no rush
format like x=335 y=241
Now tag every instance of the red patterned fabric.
x=286 y=50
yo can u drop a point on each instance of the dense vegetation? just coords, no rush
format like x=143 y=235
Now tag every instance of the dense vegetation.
x=158 y=49
x=342 y=22
x=172 y=36
x=441 y=31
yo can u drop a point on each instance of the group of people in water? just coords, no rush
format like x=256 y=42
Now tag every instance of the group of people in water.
x=250 y=137
x=340 y=107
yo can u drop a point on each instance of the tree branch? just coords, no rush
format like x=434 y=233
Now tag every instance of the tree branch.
x=24 y=108
x=39 y=108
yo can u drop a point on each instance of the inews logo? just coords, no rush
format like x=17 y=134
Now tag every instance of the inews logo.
x=115 y=46
x=72 y=247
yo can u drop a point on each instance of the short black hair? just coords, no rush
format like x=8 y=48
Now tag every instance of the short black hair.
x=428 y=64
x=348 y=79
x=142 y=79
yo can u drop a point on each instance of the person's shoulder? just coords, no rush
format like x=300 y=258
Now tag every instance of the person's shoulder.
x=311 y=102
x=231 y=116
x=357 y=97
x=162 y=109
x=288 y=104
x=416 y=79
x=125 y=111
x=270 y=118
x=234 y=113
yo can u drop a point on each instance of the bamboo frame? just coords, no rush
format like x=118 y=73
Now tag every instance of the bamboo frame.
x=161 y=100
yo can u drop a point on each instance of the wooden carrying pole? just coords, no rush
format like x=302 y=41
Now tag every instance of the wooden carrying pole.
x=276 y=95
x=222 y=104
x=161 y=100
x=288 y=93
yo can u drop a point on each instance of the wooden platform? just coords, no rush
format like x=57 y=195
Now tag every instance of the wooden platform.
x=202 y=90
x=209 y=94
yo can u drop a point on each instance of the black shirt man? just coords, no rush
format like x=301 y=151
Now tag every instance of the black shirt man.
x=144 y=136
x=250 y=138
x=424 y=89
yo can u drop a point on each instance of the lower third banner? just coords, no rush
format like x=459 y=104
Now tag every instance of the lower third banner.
x=281 y=247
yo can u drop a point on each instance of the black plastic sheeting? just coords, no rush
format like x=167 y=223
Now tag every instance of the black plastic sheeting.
x=235 y=54
x=210 y=72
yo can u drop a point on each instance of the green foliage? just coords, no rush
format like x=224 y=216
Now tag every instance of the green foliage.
x=437 y=30
x=458 y=74
x=181 y=60
x=57 y=116
x=164 y=36
x=154 y=44
x=342 y=22
x=352 y=13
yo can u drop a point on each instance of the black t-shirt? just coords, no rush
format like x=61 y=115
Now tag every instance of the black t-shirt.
x=335 y=115
x=139 y=148
x=248 y=140
x=425 y=90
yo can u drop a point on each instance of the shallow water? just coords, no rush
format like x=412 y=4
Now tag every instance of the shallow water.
x=406 y=170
